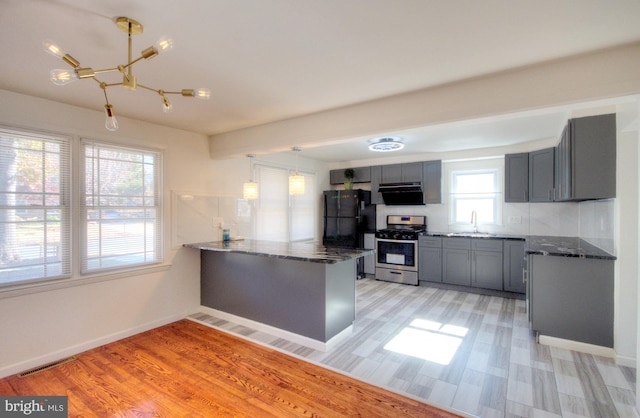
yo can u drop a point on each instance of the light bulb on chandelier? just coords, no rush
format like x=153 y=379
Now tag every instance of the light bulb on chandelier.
x=63 y=77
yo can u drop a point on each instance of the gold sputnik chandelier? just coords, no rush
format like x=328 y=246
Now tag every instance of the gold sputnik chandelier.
x=132 y=27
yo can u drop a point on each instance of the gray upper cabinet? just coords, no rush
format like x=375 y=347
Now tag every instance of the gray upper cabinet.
x=541 y=175
x=376 y=179
x=586 y=160
x=516 y=179
x=361 y=175
x=396 y=173
x=432 y=181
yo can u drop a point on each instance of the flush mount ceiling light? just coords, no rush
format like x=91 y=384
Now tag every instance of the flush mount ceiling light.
x=392 y=143
x=131 y=27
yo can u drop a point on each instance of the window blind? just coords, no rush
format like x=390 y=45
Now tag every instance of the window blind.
x=34 y=207
x=121 y=206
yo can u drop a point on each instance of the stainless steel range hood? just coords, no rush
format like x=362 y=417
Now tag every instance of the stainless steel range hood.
x=402 y=194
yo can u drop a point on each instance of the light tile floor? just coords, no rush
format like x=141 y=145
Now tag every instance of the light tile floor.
x=486 y=361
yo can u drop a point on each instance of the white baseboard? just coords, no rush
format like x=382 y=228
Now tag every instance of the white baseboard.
x=625 y=361
x=296 y=338
x=578 y=346
x=12 y=369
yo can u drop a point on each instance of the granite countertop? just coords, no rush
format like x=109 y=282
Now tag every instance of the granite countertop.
x=542 y=245
x=478 y=235
x=292 y=251
x=565 y=247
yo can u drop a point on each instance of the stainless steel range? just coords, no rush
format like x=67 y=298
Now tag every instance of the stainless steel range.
x=397 y=249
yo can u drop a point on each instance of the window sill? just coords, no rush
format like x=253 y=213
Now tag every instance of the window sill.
x=26 y=289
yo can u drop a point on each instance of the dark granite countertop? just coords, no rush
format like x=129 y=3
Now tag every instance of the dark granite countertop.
x=293 y=251
x=542 y=245
x=477 y=235
x=564 y=247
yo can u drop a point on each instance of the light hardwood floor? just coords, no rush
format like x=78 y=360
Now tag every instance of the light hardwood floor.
x=186 y=369
x=479 y=355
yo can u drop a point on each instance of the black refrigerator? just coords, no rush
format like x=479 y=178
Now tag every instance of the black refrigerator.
x=348 y=215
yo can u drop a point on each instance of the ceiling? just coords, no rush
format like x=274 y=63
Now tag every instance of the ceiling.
x=268 y=60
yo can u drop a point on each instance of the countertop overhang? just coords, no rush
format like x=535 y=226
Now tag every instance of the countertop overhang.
x=301 y=251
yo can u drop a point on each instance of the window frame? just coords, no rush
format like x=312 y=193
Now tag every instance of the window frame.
x=83 y=208
x=494 y=166
x=65 y=196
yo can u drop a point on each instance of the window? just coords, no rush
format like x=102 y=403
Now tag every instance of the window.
x=120 y=207
x=278 y=216
x=476 y=190
x=34 y=207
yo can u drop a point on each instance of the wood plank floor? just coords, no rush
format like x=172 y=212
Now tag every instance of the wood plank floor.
x=491 y=367
x=186 y=369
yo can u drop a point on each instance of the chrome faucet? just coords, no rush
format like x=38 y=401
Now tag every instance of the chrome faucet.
x=474 y=221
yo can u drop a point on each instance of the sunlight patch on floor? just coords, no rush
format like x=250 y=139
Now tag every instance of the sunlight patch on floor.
x=428 y=340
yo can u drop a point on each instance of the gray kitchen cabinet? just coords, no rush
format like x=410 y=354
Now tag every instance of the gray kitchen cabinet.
x=586 y=160
x=486 y=263
x=376 y=179
x=572 y=298
x=370 y=260
x=541 y=175
x=397 y=173
x=456 y=261
x=432 y=181
x=430 y=259
x=391 y=173
x=516 y=177
x=361 y=175
x=514 y=263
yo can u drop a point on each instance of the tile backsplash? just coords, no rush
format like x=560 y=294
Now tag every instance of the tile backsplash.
x=597 y=223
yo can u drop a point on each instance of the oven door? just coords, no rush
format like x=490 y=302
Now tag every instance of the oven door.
x=397 y=254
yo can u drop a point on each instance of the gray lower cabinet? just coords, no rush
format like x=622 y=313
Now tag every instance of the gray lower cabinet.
x=514 y=263
x=370 y=260
x=486 y=264
x=572 y=298
x=456 y=261
x=430 y=259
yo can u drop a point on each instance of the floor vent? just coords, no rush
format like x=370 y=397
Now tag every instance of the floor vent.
x=47 y=367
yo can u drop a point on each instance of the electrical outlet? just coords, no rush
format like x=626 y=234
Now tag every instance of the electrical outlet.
x=515 y=219
x=217 y=222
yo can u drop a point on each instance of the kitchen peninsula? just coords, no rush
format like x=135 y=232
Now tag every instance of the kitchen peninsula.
x=302 y=288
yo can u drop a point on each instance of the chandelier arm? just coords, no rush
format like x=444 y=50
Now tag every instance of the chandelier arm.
x=106 y=70
x=132 y=62
x=151 y=89
x=113 y=84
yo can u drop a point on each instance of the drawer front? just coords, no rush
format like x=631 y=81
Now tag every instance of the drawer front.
x=459 y=243
x=487 y=244
x=433 y=242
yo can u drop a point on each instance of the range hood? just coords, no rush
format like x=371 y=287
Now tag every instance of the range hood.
x=398 y=194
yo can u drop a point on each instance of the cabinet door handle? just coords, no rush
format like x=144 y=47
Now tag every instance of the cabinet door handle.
x=524 y=276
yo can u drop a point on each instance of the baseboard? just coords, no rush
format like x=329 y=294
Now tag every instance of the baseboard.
x=625 y=361
x=296 y=338
x=12 y=369
x=577 y=346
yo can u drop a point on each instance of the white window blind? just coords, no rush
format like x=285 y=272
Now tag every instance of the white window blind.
x=120 y=206
x=272 y=206
x=303 y=211
x=34 y=207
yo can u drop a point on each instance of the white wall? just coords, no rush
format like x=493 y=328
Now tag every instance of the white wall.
x=36 y=328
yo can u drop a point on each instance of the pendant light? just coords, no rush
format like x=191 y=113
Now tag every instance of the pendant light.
x=296 y=181
x=250 y=188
